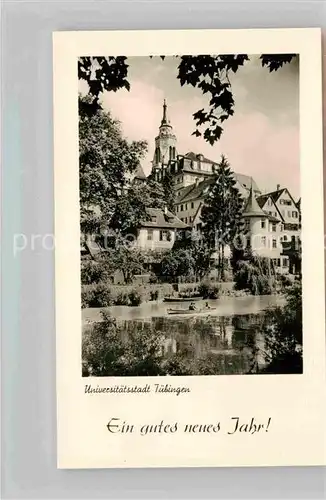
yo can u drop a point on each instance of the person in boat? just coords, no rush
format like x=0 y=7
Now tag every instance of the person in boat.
x=207 y=306
x=192 y=307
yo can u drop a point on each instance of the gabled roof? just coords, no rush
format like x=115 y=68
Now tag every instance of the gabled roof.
x=194 y=191
x=184 y=192
x=163 y=220
x=195 y=157
x=274 y=195
x=247 y=181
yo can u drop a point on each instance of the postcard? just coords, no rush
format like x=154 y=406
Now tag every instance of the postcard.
x=189 y=248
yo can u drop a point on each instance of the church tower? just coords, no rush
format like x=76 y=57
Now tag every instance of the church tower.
x=165 y=146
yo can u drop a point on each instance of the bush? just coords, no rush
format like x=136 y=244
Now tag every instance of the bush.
x=209 y=290
x=253 y=277
x=203 y=290
x=153 y=278
x=177 y=365
x=106 y=352
x=283 y=334
x=87 y=296
x=284 y=280
x=93 y=272
x=121 y=299
x=97 y=295
x=102 y=296
x=134 y=298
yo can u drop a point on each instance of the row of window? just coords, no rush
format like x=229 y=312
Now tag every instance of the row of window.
x=292 y=227
x=293 y=214
x=184 y=207
x=165 y=235
x=207 y=167
x=285 y=202
x=274 y=243
x=263 y=225
x=263 y=241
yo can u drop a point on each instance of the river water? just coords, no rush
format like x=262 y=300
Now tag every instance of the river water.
x=230 y=336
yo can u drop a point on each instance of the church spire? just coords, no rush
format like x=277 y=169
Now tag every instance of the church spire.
x=165 y=142
x=164 y=119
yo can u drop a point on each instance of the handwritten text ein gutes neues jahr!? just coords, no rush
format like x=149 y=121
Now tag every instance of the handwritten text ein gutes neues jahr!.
x=137 y=389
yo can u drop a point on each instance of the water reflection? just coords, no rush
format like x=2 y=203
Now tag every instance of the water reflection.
x=234 y=343
x=229 y=340
x=225 y=306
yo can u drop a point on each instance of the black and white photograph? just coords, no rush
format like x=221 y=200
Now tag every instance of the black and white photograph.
x=190 y=215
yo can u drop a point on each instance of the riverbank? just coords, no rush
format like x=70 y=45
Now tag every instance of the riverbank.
x=225 y=306
x=104 y=294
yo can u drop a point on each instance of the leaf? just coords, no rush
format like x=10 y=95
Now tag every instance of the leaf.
x=275 y=61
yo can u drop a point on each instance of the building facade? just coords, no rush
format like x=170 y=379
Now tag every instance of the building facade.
x=273 y=220
x=159 y=231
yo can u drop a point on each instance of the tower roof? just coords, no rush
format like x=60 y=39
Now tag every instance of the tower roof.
x=252 y=209
x=165 y=122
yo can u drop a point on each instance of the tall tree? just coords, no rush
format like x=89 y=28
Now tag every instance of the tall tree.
x=154 y=193
x=199 y=251
x=106 y=161
x=178 y=262
x=222 y=213
x=209 y=73
x=168 y=190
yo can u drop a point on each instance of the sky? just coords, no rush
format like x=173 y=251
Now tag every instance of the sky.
x=261 y=139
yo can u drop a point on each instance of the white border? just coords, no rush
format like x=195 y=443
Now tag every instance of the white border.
x=295 y=403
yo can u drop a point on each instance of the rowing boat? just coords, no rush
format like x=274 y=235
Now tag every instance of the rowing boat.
x=181 y=299
x=191 y=311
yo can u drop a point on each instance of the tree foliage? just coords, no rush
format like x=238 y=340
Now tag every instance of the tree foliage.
x=178 y=262
x=106 y=162
x=168 y=191
x=255 y=274
x=155 y=194
x=108 y=196
x=101 y=73
x=221 y=215
x=283 y=334
x=107 y=352
x=199 y=252
x=126 y=259
x=209 y=73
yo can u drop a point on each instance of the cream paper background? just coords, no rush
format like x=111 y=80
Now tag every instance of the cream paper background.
x=295 y=403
